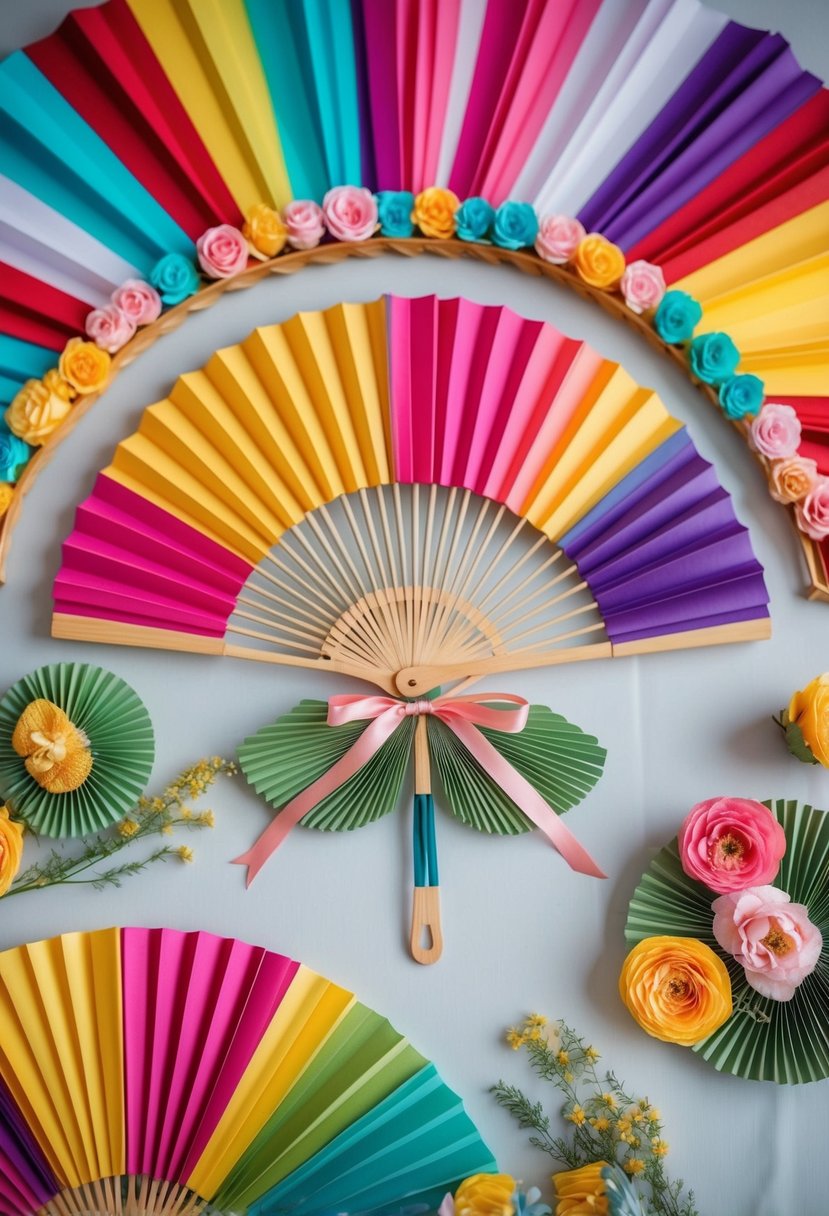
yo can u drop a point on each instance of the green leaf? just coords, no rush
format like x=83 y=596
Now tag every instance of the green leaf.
x=797 y=745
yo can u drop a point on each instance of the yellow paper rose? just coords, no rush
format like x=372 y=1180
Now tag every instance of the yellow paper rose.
x=434 y=212
x=11 y=849
x=84 y=366
x=809 y=709
x=598 y=261
x=485 y=1195
x=35 y=412
x=265 y=230
x=581 y=1192
x=6 y=495
x=676 y=988
x=56 y=753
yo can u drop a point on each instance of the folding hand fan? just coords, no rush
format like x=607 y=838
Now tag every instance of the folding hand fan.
x=150 y=1071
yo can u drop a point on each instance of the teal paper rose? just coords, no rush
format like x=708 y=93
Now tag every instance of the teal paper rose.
x=677 y=317
x=473 y=220
x=713 y=358
x=742 y=396
x=14 y=455
x=515 y=225
x=174 y=278
x=394 y=211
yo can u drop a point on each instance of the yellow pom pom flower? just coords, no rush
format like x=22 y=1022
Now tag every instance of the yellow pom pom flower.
x=57 y=754
x=434 y=212
x=676 y=988
x=581 y=1192
x=486 y=1195
x=11 y=849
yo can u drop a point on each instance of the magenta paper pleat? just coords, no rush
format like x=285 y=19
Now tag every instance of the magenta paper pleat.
x=427 y=32
x=547 y=45
x=447 y=18
x=379 y=23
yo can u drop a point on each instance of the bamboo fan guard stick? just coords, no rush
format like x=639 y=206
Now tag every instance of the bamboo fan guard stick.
x=426 y=899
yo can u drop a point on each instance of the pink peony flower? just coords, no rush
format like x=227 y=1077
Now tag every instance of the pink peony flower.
x=558 y=238
x=792 y=479
x=643 y=286
x=813 y=511
x=775 y=432
x=305 y=223
x=350 y=213
x=222 y=251
x=109 y=328
x=731 y=843
x=770 y=936
x=140 y=301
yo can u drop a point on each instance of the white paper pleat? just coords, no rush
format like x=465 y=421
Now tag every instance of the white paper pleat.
x=470 y=27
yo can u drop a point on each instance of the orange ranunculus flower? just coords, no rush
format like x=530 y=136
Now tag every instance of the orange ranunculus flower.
x=434 y=212
x=264 y=229
x=599 y=262
x=485 y=1195
x=676 y=988
x=11 y=849
x=581 y=1192
x=809 y=709
x=84 y=366
x=56 y=753
x=36 y=411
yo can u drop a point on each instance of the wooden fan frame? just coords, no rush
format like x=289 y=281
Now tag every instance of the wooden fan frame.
x=527 y=261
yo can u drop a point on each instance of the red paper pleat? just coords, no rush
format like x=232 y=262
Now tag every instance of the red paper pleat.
x=35 y=312
x=106 y=69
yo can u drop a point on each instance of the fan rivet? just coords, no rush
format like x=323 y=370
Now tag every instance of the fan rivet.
x=412 y=683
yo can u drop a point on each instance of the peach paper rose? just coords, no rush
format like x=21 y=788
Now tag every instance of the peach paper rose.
x=84 y=366
x=809 y=711
x=792 y=479
x=771 y=937
x=599 y=262
x=643 y=286
x=813 y=511
x=304 y=223
x=434 y=212
x=676 y=988
x=138 y=300
x=581 y=1192
x=731 y=843
x=223 y=252
x=109 y=328
x=775 y=432
x=11 y=849
x=350 y=213
x=35 y=412
x=558 y=238
x=264 y=230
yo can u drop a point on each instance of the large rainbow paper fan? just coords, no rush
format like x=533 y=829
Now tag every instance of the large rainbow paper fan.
x=151 y=1071
x=684 y=137
x=412 y=492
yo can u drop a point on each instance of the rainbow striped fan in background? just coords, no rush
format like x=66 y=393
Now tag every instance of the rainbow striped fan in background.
x=151 y=1071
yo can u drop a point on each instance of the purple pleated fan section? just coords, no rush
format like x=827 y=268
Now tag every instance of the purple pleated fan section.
x=26 y=1182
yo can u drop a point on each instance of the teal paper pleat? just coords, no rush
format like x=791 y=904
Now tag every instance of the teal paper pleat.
x=412 y=1148
x=48 y=149
x=331 y=43
x=425 y=845
x=21 y=361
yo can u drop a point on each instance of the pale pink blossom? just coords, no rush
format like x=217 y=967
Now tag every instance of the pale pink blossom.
x=304 y=222
x=771 y=937
x=731 y=843
x=223 y=252
x=140 y=301
x=643 y=286
x=350 y=213
x=813 y=511
x=775 y=432
x=109 y=328
x=558 y=238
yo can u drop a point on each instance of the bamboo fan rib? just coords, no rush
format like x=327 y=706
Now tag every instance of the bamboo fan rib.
x=409 y=491
x=155 y=1072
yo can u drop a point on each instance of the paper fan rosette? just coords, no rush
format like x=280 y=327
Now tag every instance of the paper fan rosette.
x=76 y=749
x=786 y=1041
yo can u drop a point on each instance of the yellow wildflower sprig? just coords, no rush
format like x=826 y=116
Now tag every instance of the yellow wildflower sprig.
x=159 y=815
x=604 y=1122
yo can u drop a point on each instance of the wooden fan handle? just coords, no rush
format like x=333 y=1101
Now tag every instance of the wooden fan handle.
x=426 y=920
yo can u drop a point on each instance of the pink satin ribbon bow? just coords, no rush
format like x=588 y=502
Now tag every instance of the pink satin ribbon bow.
x=463 y=716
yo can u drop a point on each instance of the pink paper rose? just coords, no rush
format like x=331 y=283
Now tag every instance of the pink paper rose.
x=305 y=224
x=813 y=511
x=792 y=479
x=109 y=328
x=643 y=286
x=350 y=213
x=775 y=432
x=222 y=251
x=138 y=300
x=558 y=238
x=770 y=936
x=731 y=843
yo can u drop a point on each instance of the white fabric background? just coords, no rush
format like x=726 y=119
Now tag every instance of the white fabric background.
x=522 y=932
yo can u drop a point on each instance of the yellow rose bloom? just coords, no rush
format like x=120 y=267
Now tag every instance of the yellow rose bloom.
x=676 y=988
x=35 y=412
x=599 y=262
x=581 y=1192
x=57 y=754
x=485 y=1195
x=84 y=366
x=11 y=849
x=809 y=708
x=434 y=212
x=265 y=230
x=6 y=495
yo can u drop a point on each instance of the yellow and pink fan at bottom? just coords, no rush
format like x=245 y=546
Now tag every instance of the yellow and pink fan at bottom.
x=147 y=1071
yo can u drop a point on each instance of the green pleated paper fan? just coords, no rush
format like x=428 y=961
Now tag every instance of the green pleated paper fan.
x=763 y=1040
x=120 y=734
